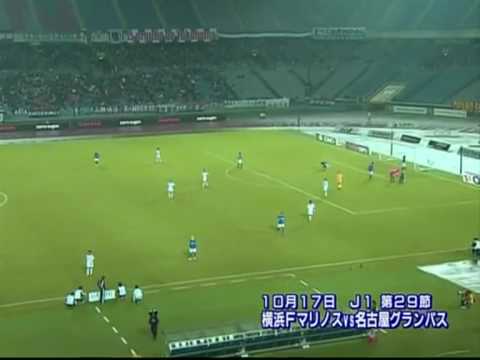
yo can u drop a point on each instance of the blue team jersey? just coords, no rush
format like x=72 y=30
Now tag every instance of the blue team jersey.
x=280 y=219
x=370 y=167
x=192 y=244
x=97 y=155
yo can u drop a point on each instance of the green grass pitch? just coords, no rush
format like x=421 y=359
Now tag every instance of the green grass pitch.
x=367 y=238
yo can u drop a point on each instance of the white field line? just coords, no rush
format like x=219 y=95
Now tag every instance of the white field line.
x=267 y=272
x=316 y=290
x=227 y=174
x=237 y=281
x=174 y=289
x=382 y=211
x=303 y=283
x=471 y=187
x=115 y=330
x=460 y=183
x=435 y=206
x=134 y=354
x=290 y=186
x=456 y=352
x=358 y=170
x=348 y=211
x=208 y=284
x=5 y=199
x=307 y=267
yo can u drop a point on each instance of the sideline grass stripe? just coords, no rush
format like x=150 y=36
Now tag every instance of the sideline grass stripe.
x=276 y=271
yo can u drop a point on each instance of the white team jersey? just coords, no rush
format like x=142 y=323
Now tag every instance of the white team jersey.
x=157 y=154
x=325 y=185
x=90 y=260
x=311 y=209
x=171 y=187
x=137 y=294
x=122 y=291
x=70 y=300
x=204 y=176
x=78 y=294
x=476 y=246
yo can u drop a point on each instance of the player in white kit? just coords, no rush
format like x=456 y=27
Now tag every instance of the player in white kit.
x=157 y=155
x=325 y=187
x=89 y=260
x=204 y=178
x=310 y=209
x=171 y=189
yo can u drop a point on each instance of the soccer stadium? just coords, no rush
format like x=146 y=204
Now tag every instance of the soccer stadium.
x=226 y=178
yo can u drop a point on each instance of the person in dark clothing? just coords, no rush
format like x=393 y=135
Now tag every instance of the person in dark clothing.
x=153 y=322
x=102 y=286
x=476 y=250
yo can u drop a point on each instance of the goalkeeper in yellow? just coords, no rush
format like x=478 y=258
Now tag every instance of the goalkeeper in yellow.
x=339 y=179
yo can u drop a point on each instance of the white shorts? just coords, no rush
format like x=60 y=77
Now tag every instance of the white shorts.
x=325 y=189
x=240 y=161
x=280 y=226
x=97 y=160
x=370 y=173
x=310 y=213
x=192 y=251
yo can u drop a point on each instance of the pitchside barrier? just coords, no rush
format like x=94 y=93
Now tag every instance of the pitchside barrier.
x=244 y=343
x=429 y=110
x=107 y=122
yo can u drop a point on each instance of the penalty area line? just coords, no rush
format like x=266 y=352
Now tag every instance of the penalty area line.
x=426 y=207
x=289 y=186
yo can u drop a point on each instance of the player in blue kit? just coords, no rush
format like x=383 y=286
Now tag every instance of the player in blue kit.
x=281 y=222
x=96 y=158
x=370 y=170
x=192 y=248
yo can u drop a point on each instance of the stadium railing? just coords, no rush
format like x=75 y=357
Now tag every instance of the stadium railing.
x=255 y=341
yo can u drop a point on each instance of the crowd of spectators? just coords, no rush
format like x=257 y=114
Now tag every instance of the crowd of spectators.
x=63 y=77
x=79 y=77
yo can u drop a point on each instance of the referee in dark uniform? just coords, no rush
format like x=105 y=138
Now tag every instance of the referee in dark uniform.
x=102 y=286
x=153 y=322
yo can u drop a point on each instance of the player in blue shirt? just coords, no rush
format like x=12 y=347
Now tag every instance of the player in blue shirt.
x=192 y=248
x=96 y=158
x=281 y=222
x=370 y=170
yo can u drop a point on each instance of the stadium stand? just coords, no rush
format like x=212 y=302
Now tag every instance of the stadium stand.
x=298 y=16
x=63 y=76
